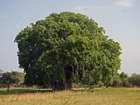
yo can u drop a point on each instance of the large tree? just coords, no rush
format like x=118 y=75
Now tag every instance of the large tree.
x=65 y=48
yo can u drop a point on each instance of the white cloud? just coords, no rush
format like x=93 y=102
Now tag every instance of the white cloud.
x=118 y=3
x=124 y=3
x=87 y=8
x=79 y=8
x=82 y=9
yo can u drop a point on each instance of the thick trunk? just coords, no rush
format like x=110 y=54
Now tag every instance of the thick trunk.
x=57 y=86
x=68 y=76
x=67 y=84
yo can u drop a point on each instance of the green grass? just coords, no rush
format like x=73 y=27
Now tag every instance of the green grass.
x=98 y=96
x=22 y=91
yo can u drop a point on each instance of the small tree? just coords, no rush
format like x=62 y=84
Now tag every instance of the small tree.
x=117 y=81
x=124 y=79
x=9 y=78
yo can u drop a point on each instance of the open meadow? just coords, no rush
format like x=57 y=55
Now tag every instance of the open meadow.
x=98 y=96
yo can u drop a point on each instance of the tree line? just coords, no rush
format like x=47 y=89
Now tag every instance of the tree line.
x=16 y=79
x=123 y=80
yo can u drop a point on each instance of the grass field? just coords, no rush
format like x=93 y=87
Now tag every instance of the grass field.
x=99 y=96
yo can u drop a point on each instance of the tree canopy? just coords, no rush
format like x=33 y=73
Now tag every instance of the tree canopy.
x=8 y=78
x=65 y=48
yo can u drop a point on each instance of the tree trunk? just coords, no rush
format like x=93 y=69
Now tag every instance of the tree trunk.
x=67 y=84
x=57 y=86
x=68 y=76
x=8 y=86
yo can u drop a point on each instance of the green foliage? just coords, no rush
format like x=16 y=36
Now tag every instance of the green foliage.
x=67 y=38
x=9 y=78
x=135 y=79
x=12 y=77
x=20 y=76
x=124 y=78
x=117 y=82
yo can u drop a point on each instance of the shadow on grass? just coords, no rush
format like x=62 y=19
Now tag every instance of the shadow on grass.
x=23 y=91
x=32 y=90
x=82 y=90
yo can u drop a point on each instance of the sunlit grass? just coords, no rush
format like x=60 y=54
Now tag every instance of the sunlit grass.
x=101 y=96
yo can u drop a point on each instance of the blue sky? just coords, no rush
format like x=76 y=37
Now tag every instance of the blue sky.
x=120 y=19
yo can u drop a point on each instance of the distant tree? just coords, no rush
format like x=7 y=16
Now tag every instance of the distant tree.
x=21 y=77
x=1 y=73
x=64 y=48
x=134 y=79
x=124 y=79
x=117 y=82
x=9 y=78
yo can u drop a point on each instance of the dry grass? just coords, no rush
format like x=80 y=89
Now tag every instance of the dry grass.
x=103 y=96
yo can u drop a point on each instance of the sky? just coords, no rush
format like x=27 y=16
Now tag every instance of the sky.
x=120 y=19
